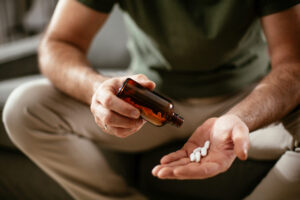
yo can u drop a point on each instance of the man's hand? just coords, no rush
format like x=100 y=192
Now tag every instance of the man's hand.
x=111 y=113
x=229 y=138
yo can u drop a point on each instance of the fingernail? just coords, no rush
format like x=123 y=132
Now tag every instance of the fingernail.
x=135 y=114
x=154 y=169
x=160 y=174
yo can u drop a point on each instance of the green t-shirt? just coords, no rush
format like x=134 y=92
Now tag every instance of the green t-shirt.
x=196 y=48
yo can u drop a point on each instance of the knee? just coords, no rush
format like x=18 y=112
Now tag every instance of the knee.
x=16 y=113
x=292 y=123
x=288 y=167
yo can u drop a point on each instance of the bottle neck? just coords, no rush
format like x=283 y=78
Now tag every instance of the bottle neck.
x=176 y=120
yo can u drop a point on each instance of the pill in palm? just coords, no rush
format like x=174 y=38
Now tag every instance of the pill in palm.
x=203 y=152
x=195 y=156
x=192 y=157
x=198 y=156
x=197 y=149
x=206 y=144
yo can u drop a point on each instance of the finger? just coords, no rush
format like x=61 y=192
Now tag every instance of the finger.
x=166 y=173
x=240 y=138
x=112 y=102
x=117 y=131
x=114 y=119
x=173 y=156
x=182 y=161
x=192 y=144
x=156 y=169
x=101 y=125
x=196 y=171
x=148 y=84
x=144 y=81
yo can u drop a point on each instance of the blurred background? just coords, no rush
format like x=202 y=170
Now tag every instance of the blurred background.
x=22 y=23
x=23 y=18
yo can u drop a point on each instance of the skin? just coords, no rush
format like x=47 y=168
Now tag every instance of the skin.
x=62 y=57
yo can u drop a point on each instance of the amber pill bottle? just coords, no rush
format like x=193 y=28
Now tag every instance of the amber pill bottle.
x=154 y=108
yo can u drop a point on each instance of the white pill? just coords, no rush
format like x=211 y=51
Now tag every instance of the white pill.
x=203 y=152
x=192 y=157
x=197 y=149
x=206 y=144
x=198 y=156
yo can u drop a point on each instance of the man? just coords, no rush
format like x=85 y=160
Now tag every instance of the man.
x=207 y=55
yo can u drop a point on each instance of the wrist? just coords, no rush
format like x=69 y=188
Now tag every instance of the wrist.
x=94 y=80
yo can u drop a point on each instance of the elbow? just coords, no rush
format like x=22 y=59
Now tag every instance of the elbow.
x=44 y=54
x=41 y=55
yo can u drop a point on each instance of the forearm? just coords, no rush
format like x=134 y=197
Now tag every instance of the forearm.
x=66 y=67
x=276 y=95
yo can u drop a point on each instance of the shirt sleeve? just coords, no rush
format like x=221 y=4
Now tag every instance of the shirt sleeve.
x=104 y=6
x=267 y=7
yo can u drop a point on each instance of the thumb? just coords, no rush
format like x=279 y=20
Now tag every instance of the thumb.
x=240 y=138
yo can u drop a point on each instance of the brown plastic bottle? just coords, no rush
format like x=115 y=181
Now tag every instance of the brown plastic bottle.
x=153 y=107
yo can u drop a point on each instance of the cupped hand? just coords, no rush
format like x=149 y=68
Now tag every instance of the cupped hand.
x=111 y=113
x=229 y=139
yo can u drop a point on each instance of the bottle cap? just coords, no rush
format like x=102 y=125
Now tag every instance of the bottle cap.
x=177 y=120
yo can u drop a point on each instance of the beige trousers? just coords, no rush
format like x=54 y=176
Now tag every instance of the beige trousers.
x=59 y=134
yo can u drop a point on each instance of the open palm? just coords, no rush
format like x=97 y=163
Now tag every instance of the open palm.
x=229 y=138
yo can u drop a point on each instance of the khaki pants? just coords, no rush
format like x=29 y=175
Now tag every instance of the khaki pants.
x=59 y=134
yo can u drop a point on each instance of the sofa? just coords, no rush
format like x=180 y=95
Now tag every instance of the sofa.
x=22 y=179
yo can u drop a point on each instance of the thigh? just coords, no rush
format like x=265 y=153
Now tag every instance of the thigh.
x=274 y=140
x=292 y=123
x=282 y=182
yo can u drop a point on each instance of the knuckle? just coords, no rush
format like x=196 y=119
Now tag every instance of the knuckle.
x=112 y=82
x=93 y=104
x=141 y=76
x=94 y=107
x=108 y=118
x=107 y=101
x=98 y=121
